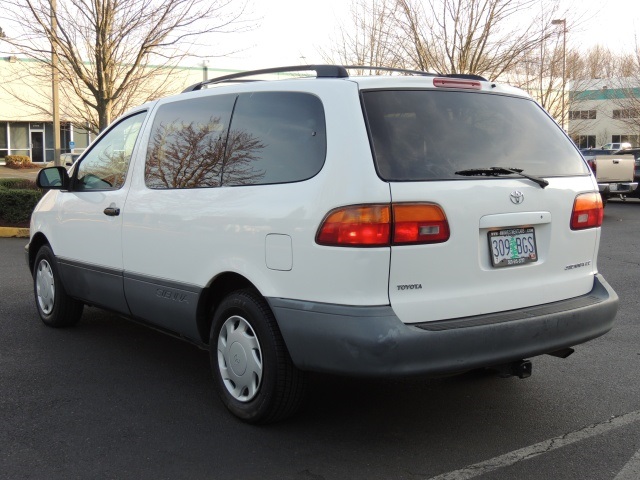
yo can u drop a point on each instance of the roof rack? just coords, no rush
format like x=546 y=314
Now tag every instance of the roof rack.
x=322 y=71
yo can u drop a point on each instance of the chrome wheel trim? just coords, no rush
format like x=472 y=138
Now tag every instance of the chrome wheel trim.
x=239 y=359
x=45 y=287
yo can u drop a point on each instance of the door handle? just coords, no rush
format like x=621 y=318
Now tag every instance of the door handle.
x=112 y=210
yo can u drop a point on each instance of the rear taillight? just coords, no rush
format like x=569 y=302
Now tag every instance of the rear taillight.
x=356 y=226
x=592 y=165
x=587 y=211
x=384 y=225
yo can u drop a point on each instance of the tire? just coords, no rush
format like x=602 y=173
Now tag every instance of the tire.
x=252 y=369
x=55 y=307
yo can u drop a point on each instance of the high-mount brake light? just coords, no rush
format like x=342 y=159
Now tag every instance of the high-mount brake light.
x=457 y=83
x=418 y=223
x=588 y=211
x=384 y=225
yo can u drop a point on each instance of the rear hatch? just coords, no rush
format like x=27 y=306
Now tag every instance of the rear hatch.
x=510 y=241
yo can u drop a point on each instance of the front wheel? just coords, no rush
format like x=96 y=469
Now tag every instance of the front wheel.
x=252 y=369
x=55 y=307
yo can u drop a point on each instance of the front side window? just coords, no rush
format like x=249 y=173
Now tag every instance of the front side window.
x=105 y=166
x=422 y=135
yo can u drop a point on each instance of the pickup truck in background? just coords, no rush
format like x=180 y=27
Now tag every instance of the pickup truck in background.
x=617 y=171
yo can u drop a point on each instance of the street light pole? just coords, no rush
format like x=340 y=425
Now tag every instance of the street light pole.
x=563 y=22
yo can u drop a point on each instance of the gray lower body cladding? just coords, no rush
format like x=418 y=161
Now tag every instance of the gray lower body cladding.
x=372 y=341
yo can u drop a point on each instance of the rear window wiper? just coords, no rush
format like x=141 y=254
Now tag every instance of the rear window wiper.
x=498 y=171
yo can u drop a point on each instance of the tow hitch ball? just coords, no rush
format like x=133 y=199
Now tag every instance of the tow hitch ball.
x=519 y=368
x=522 y=369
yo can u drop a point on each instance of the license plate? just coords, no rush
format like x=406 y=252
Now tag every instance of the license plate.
x=512 y=246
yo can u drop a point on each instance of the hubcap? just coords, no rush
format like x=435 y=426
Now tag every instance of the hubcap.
x=45 y=287
x=239 y=358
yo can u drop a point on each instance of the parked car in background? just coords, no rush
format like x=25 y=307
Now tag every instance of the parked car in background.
x=69 y=159
x=616 y=146
x=384 y=225
x=614 y=171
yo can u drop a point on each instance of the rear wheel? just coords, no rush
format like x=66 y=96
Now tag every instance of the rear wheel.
x=253 y=372
x=55 y=307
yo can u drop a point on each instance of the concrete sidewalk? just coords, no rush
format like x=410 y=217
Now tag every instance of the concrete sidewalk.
x=31 y=173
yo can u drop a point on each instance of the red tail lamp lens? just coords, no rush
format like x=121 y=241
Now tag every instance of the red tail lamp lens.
x=356 y=226
x=587 y=211
x=419 y=223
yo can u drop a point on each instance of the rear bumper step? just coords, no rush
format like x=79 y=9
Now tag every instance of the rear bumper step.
x=372 y=341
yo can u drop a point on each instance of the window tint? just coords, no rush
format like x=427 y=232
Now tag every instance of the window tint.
x=429 y=135
x=275 y=137
x=186 y=147
x=105 y=166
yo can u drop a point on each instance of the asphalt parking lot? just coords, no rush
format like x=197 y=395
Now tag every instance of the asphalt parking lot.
x=111 y=399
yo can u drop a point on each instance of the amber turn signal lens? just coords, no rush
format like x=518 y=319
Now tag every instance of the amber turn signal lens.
x=419 y=223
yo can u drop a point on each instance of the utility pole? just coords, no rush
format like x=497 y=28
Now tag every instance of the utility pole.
x=563 y=22
x=205 y=71
x=55 y=81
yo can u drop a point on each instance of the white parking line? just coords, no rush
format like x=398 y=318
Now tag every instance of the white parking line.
x=629 y=471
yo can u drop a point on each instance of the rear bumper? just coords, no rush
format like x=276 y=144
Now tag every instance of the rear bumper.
x=372 y=341
x=617 y=188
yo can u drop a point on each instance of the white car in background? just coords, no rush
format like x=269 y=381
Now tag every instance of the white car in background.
x=616 y=146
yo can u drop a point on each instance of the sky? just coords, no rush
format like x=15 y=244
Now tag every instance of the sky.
x=292 y=32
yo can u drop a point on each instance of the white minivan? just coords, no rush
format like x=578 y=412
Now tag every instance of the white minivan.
x=412 y=224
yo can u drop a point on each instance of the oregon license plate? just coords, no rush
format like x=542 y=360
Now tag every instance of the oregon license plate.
x=512 y=246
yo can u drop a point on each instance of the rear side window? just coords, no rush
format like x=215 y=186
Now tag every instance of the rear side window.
x=429 y=135
x=271 y=137
x=275 y=137
x=187 y=143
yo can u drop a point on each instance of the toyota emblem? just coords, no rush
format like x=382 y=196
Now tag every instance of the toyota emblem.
x=517 y=197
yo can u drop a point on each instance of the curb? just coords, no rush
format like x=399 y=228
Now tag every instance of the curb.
x=8 y=232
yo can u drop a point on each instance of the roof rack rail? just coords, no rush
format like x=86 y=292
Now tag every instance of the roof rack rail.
x=391 y=69
x=465 y=76
x=322 y=71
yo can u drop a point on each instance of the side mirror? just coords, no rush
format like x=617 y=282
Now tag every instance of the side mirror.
x=53 y=178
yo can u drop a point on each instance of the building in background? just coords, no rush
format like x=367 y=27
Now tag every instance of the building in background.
x=26 y=121
x=604 y=111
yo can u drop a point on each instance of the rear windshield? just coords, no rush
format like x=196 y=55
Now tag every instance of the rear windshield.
x=430 y=134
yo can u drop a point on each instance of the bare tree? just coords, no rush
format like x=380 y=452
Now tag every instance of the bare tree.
x=481 y=37
x=114 y=52
x=628 y=98
x=369 y=36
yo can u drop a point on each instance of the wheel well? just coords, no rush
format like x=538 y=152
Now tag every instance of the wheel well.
x=36 y=242
x=211 y=297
